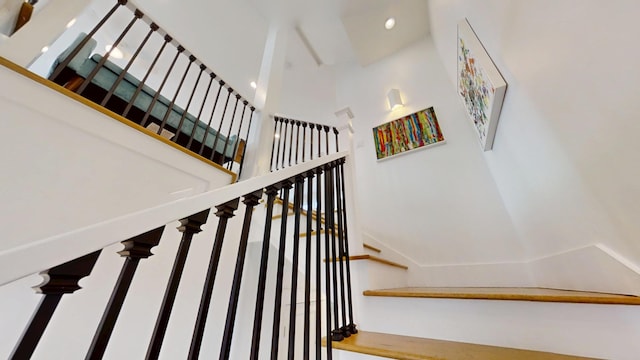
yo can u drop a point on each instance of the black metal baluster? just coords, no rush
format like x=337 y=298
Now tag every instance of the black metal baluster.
x=212 y=76
x=153 y=27
x=291 y=142
x=250 y=201
x=136 y=248
x=352 y=326
x=319 y=146
x=284 y=144
x=192 y=59
x=226 y=142
x=84 y=41
x=271 y=192
x=336 y=334
x=336 y=132
x=167 y=40
x=143 y=123
x=247 y=137
x=137 y=14
x=281 y=120
x=188 y=227
x=213 y=110
x=225 y=211
x=326 y=138
x=304 y=140
x=327 y=254
x=224 y=112
x=311 y=127
x=297 y=139
x=273 y=146
x=59 y=280
x=307 y=280
x=341 y=253
x=235 y=149
x=186 y=109
x=319 y=265
x=275 y=330
x=297 y=205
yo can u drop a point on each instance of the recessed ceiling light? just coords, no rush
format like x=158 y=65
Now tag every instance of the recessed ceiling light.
x=115 y=52
x=253 y=84
x=44 y=49
x=70 y=23
x=390 y=23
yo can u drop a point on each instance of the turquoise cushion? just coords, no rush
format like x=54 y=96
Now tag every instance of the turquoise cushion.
x=77 y=60
x=108 y=74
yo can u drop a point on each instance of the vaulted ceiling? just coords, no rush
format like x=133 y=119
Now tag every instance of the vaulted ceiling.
x=342 y=31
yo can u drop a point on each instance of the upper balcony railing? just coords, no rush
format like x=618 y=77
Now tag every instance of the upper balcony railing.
x=191 y=106
x=290 y=134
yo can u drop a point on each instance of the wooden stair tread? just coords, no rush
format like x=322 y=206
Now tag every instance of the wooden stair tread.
x=372 y=248
x=376 y=259
x=414 y=348
x=508 y=293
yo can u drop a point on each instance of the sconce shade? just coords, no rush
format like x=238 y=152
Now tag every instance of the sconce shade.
x=395 y=101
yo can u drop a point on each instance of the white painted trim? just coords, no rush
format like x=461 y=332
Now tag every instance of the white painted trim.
x=567 y=269
x=621 y=259
x=37 y=256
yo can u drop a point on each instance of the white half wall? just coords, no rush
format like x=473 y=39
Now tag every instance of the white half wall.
x=67 y=166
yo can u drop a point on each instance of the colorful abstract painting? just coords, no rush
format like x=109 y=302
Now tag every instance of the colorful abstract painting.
x=480 y=85
x=411 y=132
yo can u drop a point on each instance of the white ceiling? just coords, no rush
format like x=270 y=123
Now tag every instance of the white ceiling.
x=342 y=31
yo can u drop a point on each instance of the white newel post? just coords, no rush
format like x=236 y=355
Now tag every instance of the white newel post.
x=267 y=100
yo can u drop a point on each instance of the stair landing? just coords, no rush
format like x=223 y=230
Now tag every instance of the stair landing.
x=500 y=293
x=413 y=348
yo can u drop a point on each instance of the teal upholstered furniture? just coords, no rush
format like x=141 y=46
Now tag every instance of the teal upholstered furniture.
x=83 y=64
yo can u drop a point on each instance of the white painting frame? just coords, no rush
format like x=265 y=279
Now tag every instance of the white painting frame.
x=480 y=85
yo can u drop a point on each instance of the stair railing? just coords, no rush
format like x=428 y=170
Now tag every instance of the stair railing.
x=217 y=136
x=323 y=184
x=290 y=134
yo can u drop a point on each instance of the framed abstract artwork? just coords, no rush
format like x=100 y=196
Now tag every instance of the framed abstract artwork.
x=480 y=85
x=412 y=132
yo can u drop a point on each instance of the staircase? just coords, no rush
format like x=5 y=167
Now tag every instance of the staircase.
x=403 y=322
x=183 y=294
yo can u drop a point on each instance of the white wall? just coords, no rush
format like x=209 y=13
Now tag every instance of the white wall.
x=308 y=89
x=436 y=206
x=229 y=36
x=9 y=10
x=47 y=23
x=74 y=167
x=565 y=150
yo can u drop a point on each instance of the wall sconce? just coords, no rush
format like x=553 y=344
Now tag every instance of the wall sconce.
x=395 y=101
